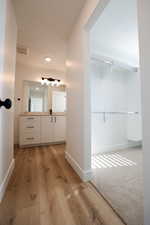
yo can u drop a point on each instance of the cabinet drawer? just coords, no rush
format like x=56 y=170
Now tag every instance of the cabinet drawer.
x=28 y=128
x=29 y=124
x=31 y=132
x=30 y=121
x=28 y=139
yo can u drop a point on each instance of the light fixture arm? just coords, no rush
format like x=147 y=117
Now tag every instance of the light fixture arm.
x=50 y=80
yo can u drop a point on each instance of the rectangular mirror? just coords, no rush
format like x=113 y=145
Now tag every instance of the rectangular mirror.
x=58 y=101
x=43 y=98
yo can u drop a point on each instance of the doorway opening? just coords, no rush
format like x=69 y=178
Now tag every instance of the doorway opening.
x=116 y=117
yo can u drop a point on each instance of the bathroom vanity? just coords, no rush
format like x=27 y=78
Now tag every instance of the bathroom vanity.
x=41 y=129
x=43 y=117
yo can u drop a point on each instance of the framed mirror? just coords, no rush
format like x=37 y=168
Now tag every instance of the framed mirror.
x=43 y=98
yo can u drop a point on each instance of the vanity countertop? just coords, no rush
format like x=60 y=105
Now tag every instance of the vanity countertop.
x=42 y=114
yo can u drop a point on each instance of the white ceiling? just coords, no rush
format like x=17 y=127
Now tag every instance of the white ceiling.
x=43 y=27
x=116 y=32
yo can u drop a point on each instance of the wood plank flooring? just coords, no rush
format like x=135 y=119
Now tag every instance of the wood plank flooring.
x=44 y=190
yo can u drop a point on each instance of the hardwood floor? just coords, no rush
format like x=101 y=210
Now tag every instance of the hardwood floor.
x=44 y=190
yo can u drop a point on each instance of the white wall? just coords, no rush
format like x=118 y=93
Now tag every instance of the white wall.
x=109 y=87
x=108 y=94
x=78 y=105
x=116 y=25
x=77 y=53
x=144 y=28
x=134 y=122
x=8 y=31
x=114 y=89
x=30 y=73
x=134 y=92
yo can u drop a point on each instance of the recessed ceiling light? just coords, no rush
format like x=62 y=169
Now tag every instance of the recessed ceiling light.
x=48 y=59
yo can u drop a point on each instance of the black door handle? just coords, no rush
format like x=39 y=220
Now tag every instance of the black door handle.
x=7 y=103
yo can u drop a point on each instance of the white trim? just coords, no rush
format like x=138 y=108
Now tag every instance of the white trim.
x=114 y=148
x=4 y=184
x=104 y=58
x=84 y=175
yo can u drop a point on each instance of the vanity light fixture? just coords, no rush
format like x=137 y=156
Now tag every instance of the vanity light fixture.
x=50 y=81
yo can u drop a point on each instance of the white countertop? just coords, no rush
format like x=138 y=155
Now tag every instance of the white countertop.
x=42 y=114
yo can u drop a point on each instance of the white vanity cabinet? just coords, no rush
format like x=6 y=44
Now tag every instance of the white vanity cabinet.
x=59 y=128
x=39 y=130
x=29 y=130
x=53 y=129
x=47 y=129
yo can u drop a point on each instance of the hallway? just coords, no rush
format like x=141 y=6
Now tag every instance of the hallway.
x=44 y=190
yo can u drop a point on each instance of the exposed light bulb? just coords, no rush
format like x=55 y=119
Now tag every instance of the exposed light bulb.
x=47 y=82
x=58 y=83
x=55 y=83
x=50 y=81
x=42 y=82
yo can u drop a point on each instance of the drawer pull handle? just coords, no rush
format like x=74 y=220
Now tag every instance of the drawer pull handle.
x=30 y=127
x=30 y=118
x=30 y=138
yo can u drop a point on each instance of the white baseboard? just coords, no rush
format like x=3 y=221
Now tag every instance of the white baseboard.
x=4 y=184
x=84 y=175
x=111 y=148
x=135 y=144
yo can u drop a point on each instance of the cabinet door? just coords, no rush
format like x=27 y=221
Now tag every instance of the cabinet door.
x=47 y=129
x=59 y=128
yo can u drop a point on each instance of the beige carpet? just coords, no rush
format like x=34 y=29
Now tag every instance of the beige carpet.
x=118 y=176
